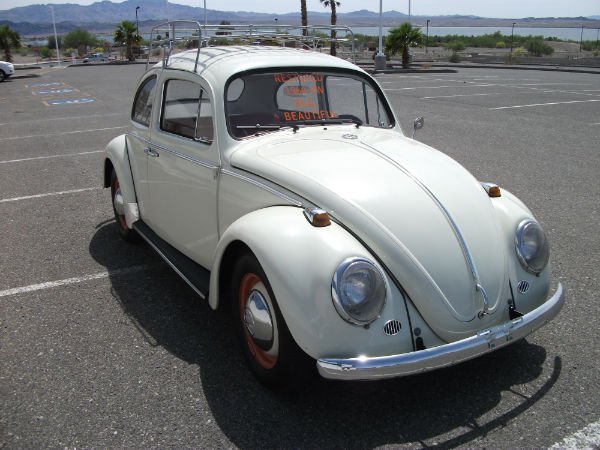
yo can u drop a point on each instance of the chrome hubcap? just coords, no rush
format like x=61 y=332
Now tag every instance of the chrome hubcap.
x=258 y=321
x=119 y=202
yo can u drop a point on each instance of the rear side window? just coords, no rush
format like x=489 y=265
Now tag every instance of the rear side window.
x=142 y=106
x=187 y=111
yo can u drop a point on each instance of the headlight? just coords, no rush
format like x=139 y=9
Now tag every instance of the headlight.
x=358 y=291
x=532 y=246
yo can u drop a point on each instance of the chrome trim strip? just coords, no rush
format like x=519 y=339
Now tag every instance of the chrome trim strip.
x=191 y=159
x=258 y=184
x=168 y=261
x=365 y=368
x=455 y=228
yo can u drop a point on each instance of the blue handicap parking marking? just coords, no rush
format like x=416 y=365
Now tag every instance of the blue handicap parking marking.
x=54 y=91
x=55 y=83
x=70 y=101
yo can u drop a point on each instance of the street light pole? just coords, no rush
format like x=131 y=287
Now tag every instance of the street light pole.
x=380 y=61
x=137 y=23
x=427 y=38
x=55 y=36
x=408 y=11
x=512 y=36
x=205 y=17
x=581 y=39
x=597 y=36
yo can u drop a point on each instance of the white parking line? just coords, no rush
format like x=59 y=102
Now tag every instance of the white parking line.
x=89 y=116
x=587 y=438
x=75 y=280
x=48 y=194
x=60 y=134
x=544 y=104
x=50 y=156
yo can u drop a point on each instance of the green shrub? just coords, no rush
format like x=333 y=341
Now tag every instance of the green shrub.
x=537 y=47
x=45 y=52
x=500 y=44
x=454 y=58
x=455 y=46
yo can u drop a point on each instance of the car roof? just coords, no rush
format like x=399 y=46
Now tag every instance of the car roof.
x=223 y=62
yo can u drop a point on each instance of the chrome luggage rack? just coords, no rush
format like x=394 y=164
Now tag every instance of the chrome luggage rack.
x=189 y=34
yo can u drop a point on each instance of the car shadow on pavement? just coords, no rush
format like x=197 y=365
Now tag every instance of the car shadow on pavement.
x=464 y=402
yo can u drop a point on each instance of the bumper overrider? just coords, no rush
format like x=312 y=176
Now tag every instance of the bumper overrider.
x=365 y=368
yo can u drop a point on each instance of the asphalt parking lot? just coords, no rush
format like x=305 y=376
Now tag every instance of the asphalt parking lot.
x=102 y=345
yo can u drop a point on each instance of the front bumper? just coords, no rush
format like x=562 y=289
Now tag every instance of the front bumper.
x=365 y=368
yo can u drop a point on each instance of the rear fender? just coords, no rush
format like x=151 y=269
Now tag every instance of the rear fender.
x=117 y=158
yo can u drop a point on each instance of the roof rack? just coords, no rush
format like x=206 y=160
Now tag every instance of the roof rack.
x=192 y=34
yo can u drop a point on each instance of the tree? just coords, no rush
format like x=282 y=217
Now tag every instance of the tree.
x=304 y=16
x=8 y=38
x=333 y=4
x=126 y=32
x=52 y=42
x=79 y=39
x=400 y=39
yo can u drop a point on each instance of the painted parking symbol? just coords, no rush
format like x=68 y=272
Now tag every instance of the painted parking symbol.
x=69 y=101
x=56 y=83
x=54 y=91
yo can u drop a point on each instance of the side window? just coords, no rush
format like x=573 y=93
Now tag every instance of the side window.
x=142 y=106
x=187 y=111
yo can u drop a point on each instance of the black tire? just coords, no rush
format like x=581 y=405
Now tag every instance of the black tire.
x=125 y=232
x=276 y=363
x=2 y=76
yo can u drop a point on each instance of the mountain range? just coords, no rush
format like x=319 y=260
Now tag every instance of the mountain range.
x=103 y=15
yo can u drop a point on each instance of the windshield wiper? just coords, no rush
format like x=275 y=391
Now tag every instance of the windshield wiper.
x=355 y=121
x=258 y=126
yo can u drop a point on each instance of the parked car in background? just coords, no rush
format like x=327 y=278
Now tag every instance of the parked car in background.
x=279 y=184
x=6 y=70
x=95 y=57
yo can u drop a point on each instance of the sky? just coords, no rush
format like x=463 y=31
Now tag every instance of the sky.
x=483 y=8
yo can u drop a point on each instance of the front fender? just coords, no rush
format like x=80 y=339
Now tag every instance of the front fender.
x=117 y=158
x=299 y=261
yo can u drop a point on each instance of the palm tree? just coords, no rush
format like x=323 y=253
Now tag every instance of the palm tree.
x=127 y=32
x=401 y=39
x=304 y=15
x=8 y=39
x=333 y=4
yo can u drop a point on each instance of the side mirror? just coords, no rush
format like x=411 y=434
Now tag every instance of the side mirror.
x=417 y=125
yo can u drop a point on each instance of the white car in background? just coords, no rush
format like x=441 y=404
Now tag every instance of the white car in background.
x=278 y=183
x=95 y=57
x=6 y=70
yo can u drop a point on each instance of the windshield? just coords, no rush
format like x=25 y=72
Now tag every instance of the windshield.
x=268 y=101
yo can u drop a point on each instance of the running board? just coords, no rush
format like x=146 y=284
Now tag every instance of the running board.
x=192 y=273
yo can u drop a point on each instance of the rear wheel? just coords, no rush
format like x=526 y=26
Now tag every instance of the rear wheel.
x=269 y=349
x=119 y=210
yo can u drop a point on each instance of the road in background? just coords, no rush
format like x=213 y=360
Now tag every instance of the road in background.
x=102 y=345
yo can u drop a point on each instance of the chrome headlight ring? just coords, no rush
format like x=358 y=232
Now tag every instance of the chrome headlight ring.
x=531 y=246
x=358 y=290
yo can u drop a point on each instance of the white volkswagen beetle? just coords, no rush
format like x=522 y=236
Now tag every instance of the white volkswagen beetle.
x=278 y=183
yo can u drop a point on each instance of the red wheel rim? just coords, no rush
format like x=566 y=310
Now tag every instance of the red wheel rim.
x=121 y=218
x=248 y=283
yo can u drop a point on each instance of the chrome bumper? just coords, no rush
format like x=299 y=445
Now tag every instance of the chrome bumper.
x=365 y=368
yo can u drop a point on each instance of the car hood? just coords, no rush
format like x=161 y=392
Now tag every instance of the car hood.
x=425 y=217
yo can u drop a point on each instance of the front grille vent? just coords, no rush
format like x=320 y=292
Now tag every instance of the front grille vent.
x=392 y=327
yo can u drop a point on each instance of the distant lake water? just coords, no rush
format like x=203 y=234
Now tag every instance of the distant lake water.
x=574 y=34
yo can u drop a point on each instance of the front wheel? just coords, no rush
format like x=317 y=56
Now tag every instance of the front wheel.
x=2 y=76
x=119 y=210
x=268 y=347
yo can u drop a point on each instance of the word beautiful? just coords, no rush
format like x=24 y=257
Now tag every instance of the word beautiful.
x=293 y=116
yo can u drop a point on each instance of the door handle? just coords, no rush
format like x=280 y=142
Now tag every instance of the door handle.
x=148 y=151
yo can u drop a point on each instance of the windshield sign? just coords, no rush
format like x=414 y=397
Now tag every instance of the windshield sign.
x=263 y=102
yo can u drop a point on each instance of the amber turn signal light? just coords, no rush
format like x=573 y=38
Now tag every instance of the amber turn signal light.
x=493 y=190
x=317 y=217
